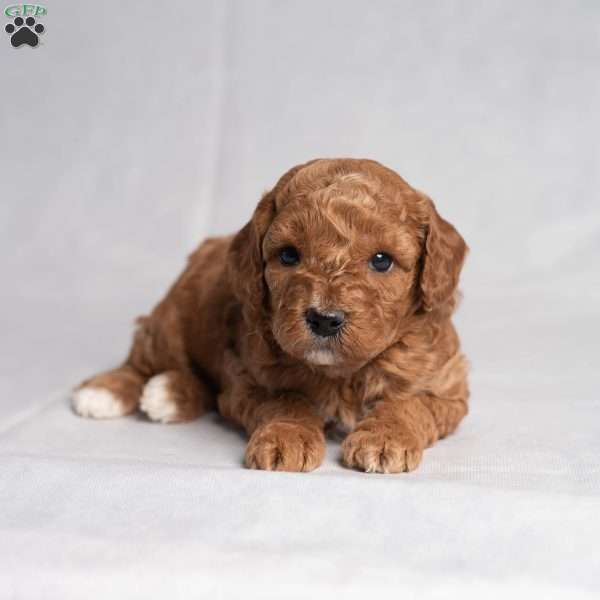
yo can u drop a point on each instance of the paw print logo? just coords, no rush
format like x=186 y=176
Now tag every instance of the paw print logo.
x=24 y=32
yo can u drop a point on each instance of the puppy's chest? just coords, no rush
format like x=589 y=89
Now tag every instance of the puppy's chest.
x=341 y=403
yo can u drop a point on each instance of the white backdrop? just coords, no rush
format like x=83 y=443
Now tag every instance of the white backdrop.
x=135 y=129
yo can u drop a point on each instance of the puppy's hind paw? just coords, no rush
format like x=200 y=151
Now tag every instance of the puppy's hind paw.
x=97 y=403
x=158 y=402
x=175 y=397
x=107 y=395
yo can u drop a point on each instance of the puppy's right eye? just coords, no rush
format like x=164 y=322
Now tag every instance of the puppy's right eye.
x=289 y=256
x=381 y=262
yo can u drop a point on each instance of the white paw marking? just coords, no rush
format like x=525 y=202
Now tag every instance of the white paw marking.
x=97 y=403
x=157 y=401
x=320 y=357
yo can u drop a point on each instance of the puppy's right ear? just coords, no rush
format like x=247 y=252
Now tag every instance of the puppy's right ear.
x=245 y=261
x=245 y=264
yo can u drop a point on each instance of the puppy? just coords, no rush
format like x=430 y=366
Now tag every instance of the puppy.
x=331 y=307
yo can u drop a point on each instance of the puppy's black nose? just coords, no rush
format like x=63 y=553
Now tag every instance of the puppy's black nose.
x=325 y=323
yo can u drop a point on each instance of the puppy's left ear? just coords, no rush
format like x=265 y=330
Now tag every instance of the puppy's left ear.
x=443 y=257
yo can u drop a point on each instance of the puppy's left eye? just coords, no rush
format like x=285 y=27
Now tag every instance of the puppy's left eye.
x=289 y=256
x=381 y=262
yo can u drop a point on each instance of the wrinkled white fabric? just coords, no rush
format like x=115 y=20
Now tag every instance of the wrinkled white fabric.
x=135 y=129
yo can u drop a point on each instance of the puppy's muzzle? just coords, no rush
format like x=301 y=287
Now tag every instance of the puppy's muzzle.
x=325 y=324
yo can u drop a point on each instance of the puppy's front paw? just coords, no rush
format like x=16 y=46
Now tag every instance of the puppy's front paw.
x=379 y=448
x=285 y=446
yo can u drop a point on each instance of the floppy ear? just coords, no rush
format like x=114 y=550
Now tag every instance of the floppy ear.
x=443 y=256
x=245 y=264
x=245 y=260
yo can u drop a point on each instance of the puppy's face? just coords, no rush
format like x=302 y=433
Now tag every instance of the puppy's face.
x=337 y=259
x=342 y=262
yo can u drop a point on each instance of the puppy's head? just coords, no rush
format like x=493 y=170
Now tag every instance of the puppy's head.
x=337 y=259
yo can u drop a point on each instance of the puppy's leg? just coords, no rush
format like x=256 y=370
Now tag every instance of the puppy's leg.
x=156 y=376
x=117 y=392
x=111 y=394
x=175 y=396
x=447 y=412
x=392 y=437
x=286 y=434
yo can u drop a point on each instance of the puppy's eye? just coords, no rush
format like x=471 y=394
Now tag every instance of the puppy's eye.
x=381 y=262
x=289 y=256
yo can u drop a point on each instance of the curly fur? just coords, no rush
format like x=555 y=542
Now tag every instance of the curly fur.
x=231 y=332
